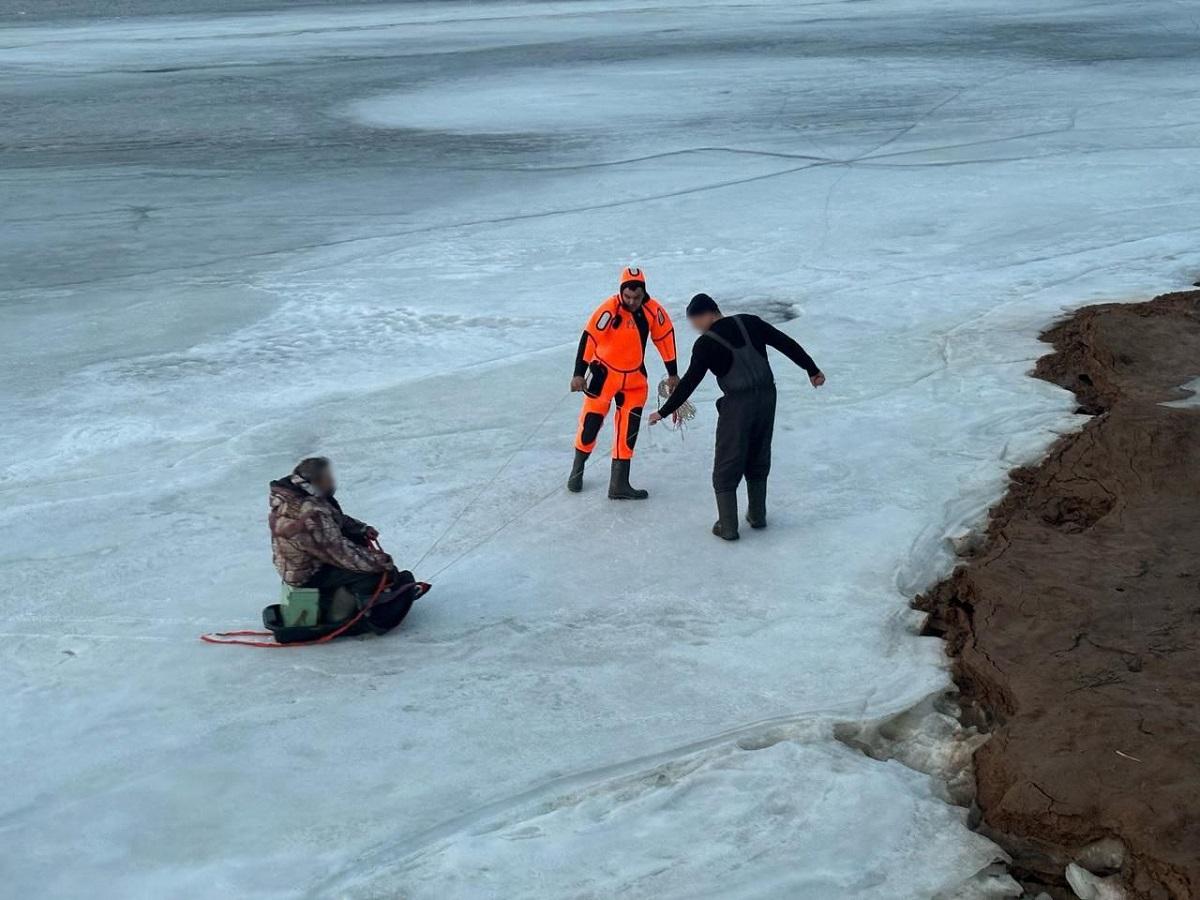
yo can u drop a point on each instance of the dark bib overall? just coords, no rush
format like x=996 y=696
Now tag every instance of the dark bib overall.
x=745 y=415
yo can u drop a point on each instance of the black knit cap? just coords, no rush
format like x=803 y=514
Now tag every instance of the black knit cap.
x=702 y=303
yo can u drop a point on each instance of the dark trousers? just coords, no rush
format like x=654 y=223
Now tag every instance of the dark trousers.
x=329 y=578
x=745 y=425
x=363 y=586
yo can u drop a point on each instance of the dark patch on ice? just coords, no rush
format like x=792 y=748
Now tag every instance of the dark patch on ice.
x=774 y=311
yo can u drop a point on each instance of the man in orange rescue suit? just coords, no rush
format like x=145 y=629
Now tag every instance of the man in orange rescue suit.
x=612 y=356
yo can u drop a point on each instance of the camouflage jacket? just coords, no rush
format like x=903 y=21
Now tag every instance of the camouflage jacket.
x=308 y=530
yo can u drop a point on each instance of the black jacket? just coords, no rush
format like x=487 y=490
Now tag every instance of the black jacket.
x=709 y=356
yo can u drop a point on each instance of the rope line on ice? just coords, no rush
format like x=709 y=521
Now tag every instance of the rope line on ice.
x=523 y=512
x=685 y=414
x=486 y=487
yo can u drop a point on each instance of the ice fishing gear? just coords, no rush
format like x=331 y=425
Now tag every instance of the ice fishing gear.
x=575 y=482
x=726 y=526
x=379 y=615
x=387 y=610
x=619 y=487
x=294 y=622
x=756 y=512
x=299 y=606
x=681 y=416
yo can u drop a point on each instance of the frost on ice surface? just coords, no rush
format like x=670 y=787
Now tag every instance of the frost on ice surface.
x=235 y=239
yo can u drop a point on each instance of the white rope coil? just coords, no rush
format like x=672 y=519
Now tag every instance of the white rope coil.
x=681 y=416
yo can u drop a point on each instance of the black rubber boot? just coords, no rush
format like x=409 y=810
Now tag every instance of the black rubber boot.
x=618 y=484
x=575 y=482
x=756 y=514
x=726 y=526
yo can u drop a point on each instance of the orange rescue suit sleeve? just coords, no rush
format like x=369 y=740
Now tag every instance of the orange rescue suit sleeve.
x=662 y=332
x=592 y=333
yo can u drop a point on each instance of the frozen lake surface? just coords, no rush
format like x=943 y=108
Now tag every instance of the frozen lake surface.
x=235 y=238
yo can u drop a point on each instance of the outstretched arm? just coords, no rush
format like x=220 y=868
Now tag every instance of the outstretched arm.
x=695 y=373
x=788 y=346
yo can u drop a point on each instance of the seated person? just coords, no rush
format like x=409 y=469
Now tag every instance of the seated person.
x=315 y=545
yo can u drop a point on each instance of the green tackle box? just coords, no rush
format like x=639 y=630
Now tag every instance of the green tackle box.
x=300 y=606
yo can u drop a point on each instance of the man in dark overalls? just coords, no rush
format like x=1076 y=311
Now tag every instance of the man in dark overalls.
x=734 y=348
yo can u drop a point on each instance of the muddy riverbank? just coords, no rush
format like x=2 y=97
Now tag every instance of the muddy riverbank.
x=1075 y=622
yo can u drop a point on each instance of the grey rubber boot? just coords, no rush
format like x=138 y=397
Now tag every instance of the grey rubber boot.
x=575 y=482
x=756 y=514
x=619 y=487
x=726 y=526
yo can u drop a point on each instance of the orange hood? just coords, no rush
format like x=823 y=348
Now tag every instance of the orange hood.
x=632 y=273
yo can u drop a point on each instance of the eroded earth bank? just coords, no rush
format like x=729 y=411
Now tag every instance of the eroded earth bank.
x=1074 y=622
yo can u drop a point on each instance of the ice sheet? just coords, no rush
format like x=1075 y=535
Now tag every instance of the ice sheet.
x=374 y=233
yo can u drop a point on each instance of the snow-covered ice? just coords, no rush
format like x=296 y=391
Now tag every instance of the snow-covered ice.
x=236 y=237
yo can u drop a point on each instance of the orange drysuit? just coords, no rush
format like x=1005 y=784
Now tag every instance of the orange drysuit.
x=612 y=353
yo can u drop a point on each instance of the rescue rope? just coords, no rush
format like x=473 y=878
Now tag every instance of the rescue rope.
x=475 y=546
x=681 y=416
x=483 y=490
x=234 y=637
x=685 y=413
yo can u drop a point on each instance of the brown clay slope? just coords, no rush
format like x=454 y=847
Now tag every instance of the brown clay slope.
x=1076 y=627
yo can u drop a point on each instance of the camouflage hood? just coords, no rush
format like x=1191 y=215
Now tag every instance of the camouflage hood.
x=309 y=530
